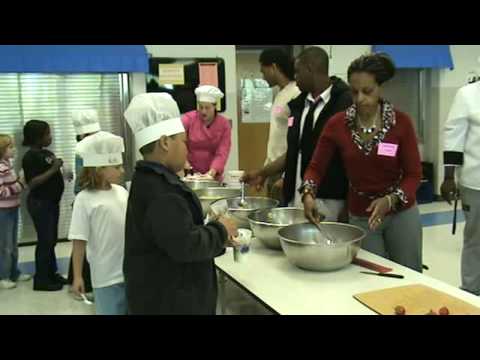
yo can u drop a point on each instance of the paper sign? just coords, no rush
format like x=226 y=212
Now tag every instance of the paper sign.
x=208 y=73
x=290 y=121
x=387 y=149
x=171 y=74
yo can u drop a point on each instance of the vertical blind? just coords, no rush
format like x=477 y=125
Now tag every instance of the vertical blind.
x=52 y=98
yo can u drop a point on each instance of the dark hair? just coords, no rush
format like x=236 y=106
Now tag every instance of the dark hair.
x=83 y=136
x=34 y=131
x=316 y=57
x=147 y=149
x=281 y=59
x=380 y=65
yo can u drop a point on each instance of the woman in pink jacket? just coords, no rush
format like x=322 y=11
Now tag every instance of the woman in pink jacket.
x=208 y=134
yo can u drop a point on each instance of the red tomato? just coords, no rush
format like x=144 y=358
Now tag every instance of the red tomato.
x=444 y=311
x=400 y=310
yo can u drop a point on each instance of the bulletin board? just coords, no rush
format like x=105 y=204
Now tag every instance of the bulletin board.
x=181 y=76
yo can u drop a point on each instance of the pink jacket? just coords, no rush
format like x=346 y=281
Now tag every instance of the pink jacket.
x=208 y=147
x=10 y=187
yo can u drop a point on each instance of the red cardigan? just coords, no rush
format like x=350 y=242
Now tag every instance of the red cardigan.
x=371 y=175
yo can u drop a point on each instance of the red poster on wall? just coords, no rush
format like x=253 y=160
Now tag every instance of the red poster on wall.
x=208 y=74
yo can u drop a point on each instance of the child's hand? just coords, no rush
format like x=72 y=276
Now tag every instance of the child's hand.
x=230 y=226
x=57 y=163
x=231 y=242
x=78 y=286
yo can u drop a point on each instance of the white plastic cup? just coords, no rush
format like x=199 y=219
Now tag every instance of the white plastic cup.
x=240 y=253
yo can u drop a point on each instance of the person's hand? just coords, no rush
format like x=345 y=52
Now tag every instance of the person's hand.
x=310 y=208
x=278 y=185
x=254 y=178
x=212 y=173
x=231 y=242
x=449 y=190
x=78 y=286
x=187 y=169
x=379 y=208
x=57 y=164
x=230 y=225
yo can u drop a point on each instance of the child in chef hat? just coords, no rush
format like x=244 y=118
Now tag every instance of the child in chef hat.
x=86 y=123
x=98 y=222
x=169 y=252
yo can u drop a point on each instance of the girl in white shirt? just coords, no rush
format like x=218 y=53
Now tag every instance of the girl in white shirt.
x=98 y=222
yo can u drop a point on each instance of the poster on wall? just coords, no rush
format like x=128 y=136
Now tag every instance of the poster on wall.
x=257 y=99
x=171 y=74
x=208 y=73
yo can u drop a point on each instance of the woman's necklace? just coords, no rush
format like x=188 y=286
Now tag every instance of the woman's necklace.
x=368 y=129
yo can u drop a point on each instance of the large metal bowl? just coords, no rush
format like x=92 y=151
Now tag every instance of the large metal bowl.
x=253 y=203
x=299 y=245
x=266 y=223
x=200 y=184
x=210 y=195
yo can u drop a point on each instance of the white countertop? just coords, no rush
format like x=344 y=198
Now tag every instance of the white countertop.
x=292 y=291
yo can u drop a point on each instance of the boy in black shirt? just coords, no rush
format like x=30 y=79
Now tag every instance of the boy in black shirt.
x=169 y=252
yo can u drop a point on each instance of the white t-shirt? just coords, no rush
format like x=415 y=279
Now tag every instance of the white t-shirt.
x=99 y=218
x=277 y=137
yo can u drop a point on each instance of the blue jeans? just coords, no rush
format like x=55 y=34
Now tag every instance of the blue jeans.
x=111 y=300
x=8 y=244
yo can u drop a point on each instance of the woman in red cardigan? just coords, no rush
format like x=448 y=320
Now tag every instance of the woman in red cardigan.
x=380 y=154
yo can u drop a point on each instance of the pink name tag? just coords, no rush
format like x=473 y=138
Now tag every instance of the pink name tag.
x=290 y=121
x=387 y=149
x=278 y=110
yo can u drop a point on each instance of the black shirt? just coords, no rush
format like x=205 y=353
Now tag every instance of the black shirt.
x=37 y=162
x=169 y=253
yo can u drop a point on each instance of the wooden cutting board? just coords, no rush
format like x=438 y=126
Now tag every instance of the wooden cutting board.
x=416 y=299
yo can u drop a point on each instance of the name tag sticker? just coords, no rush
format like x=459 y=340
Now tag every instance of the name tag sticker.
x=387 y=149
x=290 y=121
x=278 y=110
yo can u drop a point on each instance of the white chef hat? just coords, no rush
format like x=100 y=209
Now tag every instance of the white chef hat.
x=208 y=93
x=101 y=149
x=85 y=121
x=152 y=116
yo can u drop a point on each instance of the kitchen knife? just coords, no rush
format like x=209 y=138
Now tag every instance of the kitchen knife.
x=396 y=276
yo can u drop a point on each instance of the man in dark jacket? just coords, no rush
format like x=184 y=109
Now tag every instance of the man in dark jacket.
x=321 y=98
x=169 y=252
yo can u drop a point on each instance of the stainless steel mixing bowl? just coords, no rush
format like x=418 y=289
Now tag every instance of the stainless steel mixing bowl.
x=253 y=203
x=306 y=248
x=200 y=184
x=266 y=223
x=210 y=195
